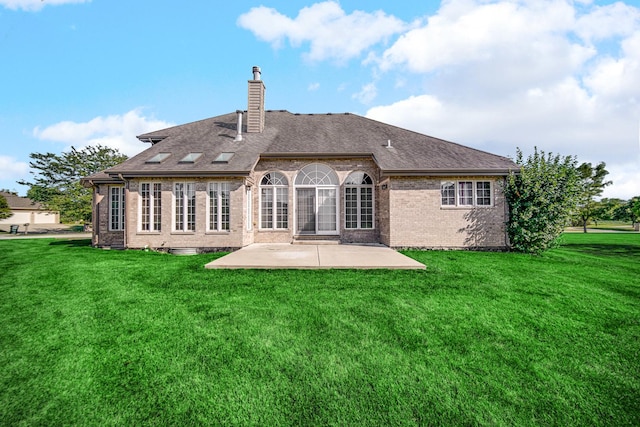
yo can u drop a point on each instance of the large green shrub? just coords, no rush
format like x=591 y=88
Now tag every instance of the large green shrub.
x=541 y=199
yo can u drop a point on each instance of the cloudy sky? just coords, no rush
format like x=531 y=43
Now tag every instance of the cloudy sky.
x=562 y=75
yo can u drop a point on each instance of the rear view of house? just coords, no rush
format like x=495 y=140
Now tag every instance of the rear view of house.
x=272 y=176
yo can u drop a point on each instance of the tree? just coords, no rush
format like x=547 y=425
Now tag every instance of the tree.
x=5 y=211
x=591 y=185
x=607 y=209
x=541 y=198
x=56 y=182
x=630 y=211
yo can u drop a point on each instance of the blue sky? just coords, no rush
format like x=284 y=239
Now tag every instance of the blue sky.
x=561 y=75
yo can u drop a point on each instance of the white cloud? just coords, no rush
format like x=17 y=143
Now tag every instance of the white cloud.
x=35 y=5
x=12 y=169
x=116 y=131
x=603 y=22
x=367 y=94
x=521 y=42
x=626 y=181
x=313 y=87
x=330 y=32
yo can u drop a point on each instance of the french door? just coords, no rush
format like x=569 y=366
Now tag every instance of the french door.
x=317 y=210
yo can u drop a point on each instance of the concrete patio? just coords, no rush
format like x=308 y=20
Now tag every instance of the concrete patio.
x=287 y=256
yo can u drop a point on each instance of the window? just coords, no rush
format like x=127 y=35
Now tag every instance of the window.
x=158 y=158
x=219 y=206
x=116 y=208
x=151 y=206
x=184 y=194
x=223 y=158
x=448 y=193
x=274 y=201
x=358 y=199
x=190 y=158
x=466 y=193
x=483 y=193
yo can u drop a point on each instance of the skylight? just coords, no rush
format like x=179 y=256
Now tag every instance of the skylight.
x=223 y=158
x=191 y=158
x=158 y=158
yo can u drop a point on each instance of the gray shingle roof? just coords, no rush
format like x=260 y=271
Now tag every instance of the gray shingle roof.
x=17 y=202
x=306 y=135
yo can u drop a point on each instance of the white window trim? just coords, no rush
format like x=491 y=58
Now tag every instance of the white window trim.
x=359 y=206
x=219 y=185
x=185 y=208
x=121 y=208
x=274 y=199
x=249 y=194
x=151 y=208
x=474 y=204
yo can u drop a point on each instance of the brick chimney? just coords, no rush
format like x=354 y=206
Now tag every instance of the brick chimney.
x=255 y=110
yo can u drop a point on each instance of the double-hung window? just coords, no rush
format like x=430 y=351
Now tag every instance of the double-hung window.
x=274 y=202
x=184 y=194
x=219 y=206
x=116 y=208
x=150 y=206
x=466 y=193
x=358 y=201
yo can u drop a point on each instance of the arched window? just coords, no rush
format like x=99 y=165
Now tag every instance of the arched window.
x=358 y=201
x=316 y=174
x=274 y=201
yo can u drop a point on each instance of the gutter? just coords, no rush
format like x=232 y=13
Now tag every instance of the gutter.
x=445 y=172
x=178 y=174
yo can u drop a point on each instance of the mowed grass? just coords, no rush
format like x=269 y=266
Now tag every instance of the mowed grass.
x=92 y=337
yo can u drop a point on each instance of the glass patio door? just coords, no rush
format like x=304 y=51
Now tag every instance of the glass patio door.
x=327 y=210
x=317 y=210
x=306 y=210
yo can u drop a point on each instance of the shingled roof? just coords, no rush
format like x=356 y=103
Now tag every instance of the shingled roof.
x=397 y=151
x=16 y=202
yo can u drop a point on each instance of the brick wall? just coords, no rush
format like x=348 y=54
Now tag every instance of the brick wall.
x=417 y=218
x=200 y=238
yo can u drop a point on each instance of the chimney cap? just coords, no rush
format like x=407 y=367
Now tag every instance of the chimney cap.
x=256 y=73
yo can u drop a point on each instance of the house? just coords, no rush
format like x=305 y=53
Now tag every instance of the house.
x=26 y=211
x=272 y=176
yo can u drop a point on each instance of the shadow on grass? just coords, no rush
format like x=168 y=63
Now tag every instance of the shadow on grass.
x=605 y=250
x=72 y=243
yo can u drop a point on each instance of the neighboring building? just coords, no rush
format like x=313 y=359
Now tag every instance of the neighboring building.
x=260 y=176
x=26 y=211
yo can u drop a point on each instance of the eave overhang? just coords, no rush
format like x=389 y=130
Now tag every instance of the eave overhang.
x=151 y=139
x=180 y=174
x=446 y=172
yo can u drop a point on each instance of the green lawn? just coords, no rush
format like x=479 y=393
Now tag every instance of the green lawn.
x=93 y=337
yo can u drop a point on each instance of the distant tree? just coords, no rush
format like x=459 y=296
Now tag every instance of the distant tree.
x=592 y=183
x=630 y=211
x=541 y=198
x=56 y=182
x=606 y=209
x=5 y=211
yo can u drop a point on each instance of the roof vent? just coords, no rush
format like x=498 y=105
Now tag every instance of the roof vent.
x=388 y=143
x=239 y=131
